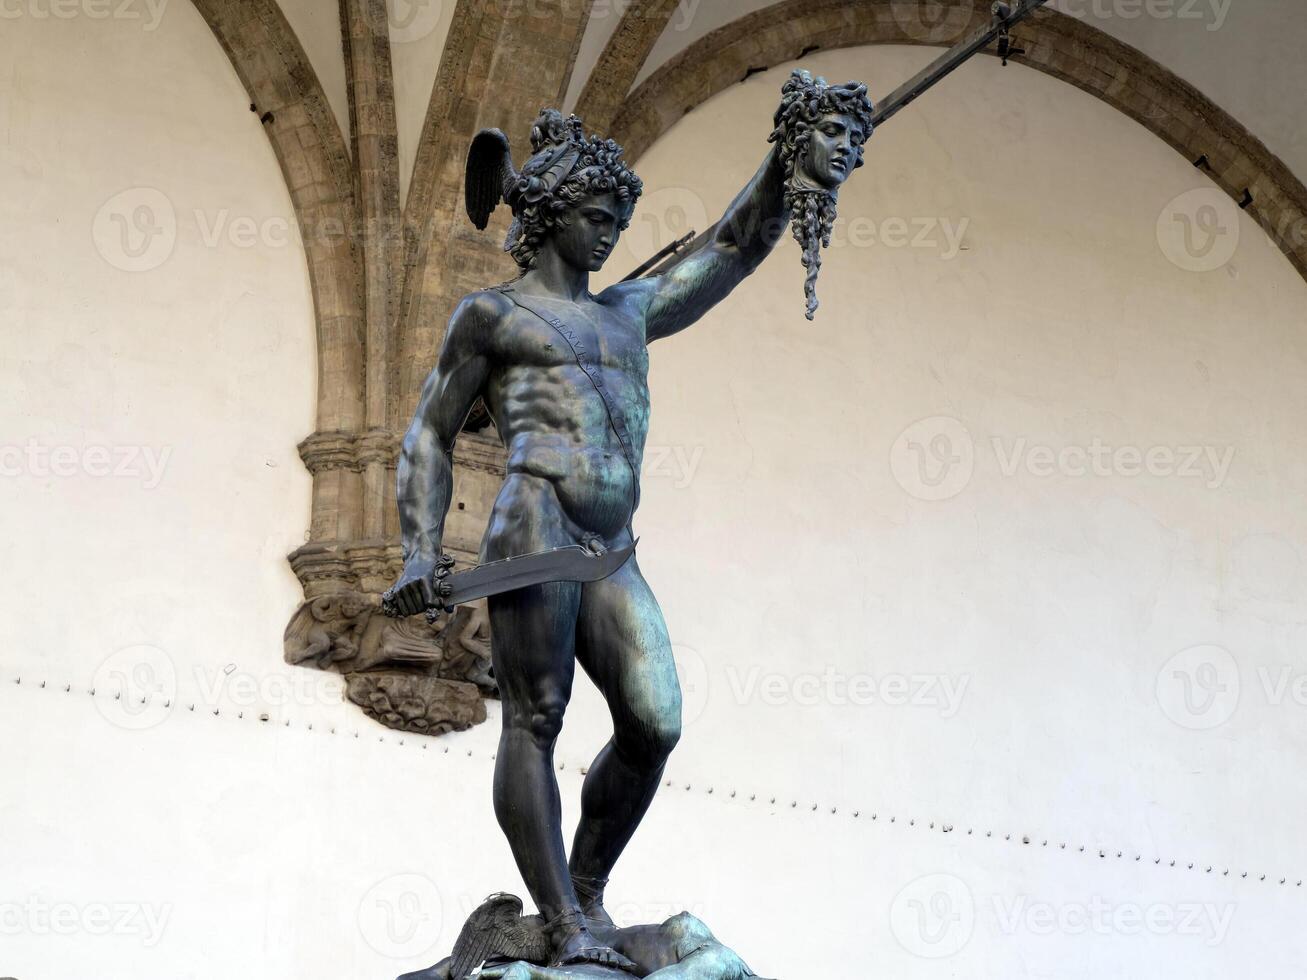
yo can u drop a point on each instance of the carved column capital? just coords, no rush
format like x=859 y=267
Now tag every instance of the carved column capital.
x=377 y=446
x=324 y=451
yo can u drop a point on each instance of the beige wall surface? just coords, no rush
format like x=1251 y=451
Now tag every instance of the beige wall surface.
x=1009 y=541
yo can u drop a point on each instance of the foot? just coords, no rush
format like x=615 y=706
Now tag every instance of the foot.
x=574 y=944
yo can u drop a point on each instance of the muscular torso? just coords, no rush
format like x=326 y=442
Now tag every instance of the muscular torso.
x=553 y=422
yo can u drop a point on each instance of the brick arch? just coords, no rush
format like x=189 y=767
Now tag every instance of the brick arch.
x=1055 y=44
x=315 y=162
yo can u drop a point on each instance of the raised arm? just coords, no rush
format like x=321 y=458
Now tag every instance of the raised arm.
x=425 y=472
x=745 y=235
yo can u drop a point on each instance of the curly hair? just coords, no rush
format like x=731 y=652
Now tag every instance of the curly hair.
x=804 y=101
x=544 y=198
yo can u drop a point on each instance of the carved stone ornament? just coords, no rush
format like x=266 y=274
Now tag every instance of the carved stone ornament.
x=409 y=675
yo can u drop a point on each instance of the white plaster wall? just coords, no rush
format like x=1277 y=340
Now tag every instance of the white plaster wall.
x=220 y=843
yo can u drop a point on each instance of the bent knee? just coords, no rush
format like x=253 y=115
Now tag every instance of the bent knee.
x=647 y=743
x=542 y=719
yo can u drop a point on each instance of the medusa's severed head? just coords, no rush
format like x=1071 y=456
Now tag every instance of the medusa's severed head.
x=575 y=188
x=822 y=131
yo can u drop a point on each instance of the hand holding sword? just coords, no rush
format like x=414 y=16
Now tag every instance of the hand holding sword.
x=433 y=587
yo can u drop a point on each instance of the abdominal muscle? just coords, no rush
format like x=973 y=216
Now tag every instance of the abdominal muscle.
x=555 y=492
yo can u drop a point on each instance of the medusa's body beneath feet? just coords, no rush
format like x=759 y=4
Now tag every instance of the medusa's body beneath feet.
x=682 y=948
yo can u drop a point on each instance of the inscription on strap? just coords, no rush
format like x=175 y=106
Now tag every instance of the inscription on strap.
x=596 y=379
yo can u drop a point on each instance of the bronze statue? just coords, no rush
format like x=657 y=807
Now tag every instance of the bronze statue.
x=563 y=373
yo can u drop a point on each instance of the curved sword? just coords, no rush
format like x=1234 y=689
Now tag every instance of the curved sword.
x=573 y=563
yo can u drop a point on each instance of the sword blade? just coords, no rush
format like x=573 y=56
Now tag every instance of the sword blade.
x=570 y=564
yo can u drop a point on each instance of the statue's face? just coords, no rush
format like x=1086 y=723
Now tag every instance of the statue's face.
x=591 y=233
x=833 y=149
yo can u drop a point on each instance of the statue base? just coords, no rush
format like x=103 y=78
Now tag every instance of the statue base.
x=498 y=942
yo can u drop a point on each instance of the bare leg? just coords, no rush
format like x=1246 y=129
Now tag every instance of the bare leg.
x=534 y=647
x=533 y=633
x=623 y=645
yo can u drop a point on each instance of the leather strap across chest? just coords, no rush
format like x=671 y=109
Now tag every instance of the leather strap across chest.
x=591 y=370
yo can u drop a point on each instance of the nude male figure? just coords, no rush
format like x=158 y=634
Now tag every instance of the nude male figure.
x=571 y=478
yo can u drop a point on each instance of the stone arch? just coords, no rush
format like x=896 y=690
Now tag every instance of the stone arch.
x=286 y=94
x=289 y=99
x=1054 y=43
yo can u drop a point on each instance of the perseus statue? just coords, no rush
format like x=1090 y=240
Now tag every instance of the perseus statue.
x=563 y=373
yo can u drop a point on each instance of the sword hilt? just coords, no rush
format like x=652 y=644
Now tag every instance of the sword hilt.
x=434 y=591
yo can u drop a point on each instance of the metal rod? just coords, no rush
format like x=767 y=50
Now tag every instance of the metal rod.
x=665 y=252
x=950 y=60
